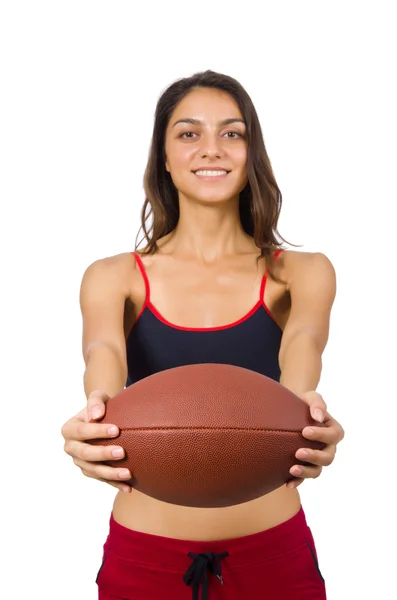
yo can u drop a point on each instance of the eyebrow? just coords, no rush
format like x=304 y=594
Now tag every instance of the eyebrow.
x=198 y=122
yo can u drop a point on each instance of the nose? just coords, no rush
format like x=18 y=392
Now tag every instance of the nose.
x=211 y=147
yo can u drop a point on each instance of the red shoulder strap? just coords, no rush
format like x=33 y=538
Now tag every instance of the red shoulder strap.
x=144 y=275
x=278 y=252
x=264 y=278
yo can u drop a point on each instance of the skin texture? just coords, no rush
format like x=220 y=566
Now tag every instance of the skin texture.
x=204 y=275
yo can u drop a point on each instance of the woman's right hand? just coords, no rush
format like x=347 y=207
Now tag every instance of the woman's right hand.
x=90 y=458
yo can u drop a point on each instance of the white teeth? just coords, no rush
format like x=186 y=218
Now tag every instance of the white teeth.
x=211 y=173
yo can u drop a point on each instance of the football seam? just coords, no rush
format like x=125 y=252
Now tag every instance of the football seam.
x=217 y=428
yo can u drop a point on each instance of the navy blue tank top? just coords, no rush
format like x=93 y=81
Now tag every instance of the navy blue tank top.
x=154 y=344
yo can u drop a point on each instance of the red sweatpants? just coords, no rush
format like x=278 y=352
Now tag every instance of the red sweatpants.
x=276 y=564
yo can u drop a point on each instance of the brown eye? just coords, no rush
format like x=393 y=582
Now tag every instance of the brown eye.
x=234 y=133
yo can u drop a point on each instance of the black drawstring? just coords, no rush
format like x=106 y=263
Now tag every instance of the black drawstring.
x=197 y=572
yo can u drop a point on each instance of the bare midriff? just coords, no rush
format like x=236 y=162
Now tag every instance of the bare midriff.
x=142 y=513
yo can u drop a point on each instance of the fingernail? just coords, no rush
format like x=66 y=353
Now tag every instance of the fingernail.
x=96 y=412
x=124 y=474
x=112 y=430
x=117 y=452
x=318 y=415
x=302 y=454
x=126 y=489
x=309 y=432
x=296 y=471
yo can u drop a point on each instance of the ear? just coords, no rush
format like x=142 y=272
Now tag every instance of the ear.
x=166 y=166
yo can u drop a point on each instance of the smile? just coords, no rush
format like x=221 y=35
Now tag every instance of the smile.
x=202 y=174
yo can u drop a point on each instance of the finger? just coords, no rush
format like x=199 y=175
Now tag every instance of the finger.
x=318 y=409
x=90 y=453
x=317 y=412
x=314 y=398
x=96 y=404
x=316 y=404
x=68 y=427
x=328 y=434
x=305 y=472
x=81 y=431
x=101 y=471
x=331 y=423
x=296 y=481
x=123 y=487
x=322 y=458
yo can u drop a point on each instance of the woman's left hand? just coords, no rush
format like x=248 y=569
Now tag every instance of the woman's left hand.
x=330 y=434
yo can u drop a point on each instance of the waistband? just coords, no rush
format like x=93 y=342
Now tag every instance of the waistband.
x=151 y=549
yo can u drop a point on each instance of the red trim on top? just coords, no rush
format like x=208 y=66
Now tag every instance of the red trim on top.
x=278 y=252
x=263 y=286
x=146 y=280
x=160 y=317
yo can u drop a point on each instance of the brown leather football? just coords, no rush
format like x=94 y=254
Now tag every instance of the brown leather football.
x=208 y=435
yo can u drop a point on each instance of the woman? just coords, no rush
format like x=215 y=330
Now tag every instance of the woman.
x=212 y=285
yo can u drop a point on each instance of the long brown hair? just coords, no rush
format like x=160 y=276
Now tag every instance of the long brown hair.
x=260 y=201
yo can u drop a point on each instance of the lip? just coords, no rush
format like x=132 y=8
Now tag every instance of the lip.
x=211 y=178
x=211 y=169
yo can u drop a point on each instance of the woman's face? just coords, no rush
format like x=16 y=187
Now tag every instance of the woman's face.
x=207 y=142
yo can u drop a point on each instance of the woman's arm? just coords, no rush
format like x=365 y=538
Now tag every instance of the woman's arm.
x=102 y=300
x=312 y=286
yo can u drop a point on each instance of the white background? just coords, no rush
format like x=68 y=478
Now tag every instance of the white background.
x=79 y=84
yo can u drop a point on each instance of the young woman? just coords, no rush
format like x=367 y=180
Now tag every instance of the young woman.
x=212 y=284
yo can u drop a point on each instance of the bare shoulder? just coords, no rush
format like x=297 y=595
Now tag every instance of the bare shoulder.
x=312 y=288
x=116 y=271
x=297 y=268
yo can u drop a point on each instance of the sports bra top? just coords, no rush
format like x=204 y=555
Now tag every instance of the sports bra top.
x=154 y=344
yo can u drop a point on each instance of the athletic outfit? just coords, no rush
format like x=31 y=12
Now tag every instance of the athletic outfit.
x=277 y=564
